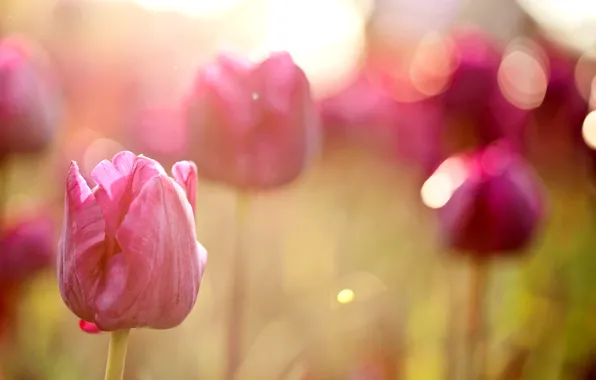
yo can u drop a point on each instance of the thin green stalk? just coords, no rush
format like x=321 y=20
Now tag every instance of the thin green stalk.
x=117 y=355
x=239 y=268
x=476 y=345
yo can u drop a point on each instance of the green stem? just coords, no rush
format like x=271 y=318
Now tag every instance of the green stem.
x=4 y=179
x=476 y=348
x=117 y=355
x=238 y=297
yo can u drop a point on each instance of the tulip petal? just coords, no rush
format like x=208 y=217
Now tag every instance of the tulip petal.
x=124 y=161
x=155 y=281
x=279 y=74
x=185 y=174
x=118 y=182
x=89 y=327
x=111 y=184
x=82 y=247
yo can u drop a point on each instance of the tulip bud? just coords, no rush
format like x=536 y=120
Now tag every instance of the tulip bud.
x=28 y=110
x=475 y=77
x=128 y=255
x=253 y=126
x=360 y=109
x=492 y=204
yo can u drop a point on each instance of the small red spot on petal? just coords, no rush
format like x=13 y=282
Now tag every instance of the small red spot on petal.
x=89 y=327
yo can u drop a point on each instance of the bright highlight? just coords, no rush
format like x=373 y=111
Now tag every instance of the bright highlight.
x=345 y=296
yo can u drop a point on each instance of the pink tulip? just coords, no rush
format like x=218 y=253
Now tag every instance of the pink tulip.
x=128 y=254
x=28 y=109
x=253 y=126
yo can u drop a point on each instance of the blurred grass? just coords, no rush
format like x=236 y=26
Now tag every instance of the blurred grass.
x=351 y=214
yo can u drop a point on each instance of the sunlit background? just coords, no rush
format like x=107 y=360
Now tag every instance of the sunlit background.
x=348 y=276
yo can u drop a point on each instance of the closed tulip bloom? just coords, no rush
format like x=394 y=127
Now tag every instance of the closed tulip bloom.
x=28 y=99
x=129 y=256
x=495 y=201
x=477 y=62
x=253 y=126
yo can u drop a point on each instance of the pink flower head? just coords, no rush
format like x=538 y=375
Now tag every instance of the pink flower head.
x=28 y=109
x=128 y=254
x=478 y=59
x=495 y=201
x=253 y=126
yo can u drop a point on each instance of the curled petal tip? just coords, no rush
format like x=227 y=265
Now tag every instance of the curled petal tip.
x=185 y=174
x=89 y=327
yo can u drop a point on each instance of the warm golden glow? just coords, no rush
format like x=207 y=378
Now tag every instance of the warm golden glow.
x=325 y=38
x=522 y=75
x=568 y=21
x=589 y=130
x=432 y=64
x=98 y=150
x=440 y=186
x=198 y=8
x=345 y=296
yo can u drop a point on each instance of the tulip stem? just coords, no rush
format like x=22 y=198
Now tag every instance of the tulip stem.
x=476 y=345
x=238 y=296
x=4 y=178
x=117 y=355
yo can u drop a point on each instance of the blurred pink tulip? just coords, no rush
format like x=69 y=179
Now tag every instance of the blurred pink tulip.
x=28 y=99
x=420 y=134
x=26 y=248
x=496 y=202
x=160 y=133
x=358 y=109
x=128 y=254
x=253 y=126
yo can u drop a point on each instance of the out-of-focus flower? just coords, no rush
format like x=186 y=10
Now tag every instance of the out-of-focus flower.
x=28 y=98
x=477 y=60
x=253 y=126
x=128 y=254
x=494 y=203
x=475 y=97
x=359 y=109
x=420 y=133
x=562 y=102
x=160 y=133
x=26 y=248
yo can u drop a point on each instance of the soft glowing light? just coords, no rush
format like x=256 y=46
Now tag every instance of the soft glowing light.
x=325 y=38
x=440 y=186
x=585 y=72
x=99 y=150
x=572 y=22
x=589 y=130
x=522 y=75
x=345 y=296
x=198 y=8
x=432 y=64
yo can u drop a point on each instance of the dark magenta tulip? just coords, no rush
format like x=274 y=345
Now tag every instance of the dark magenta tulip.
x=28 y=98
x=474 y=79
x=494 y=202
x=253 y=126
x=128 y=254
